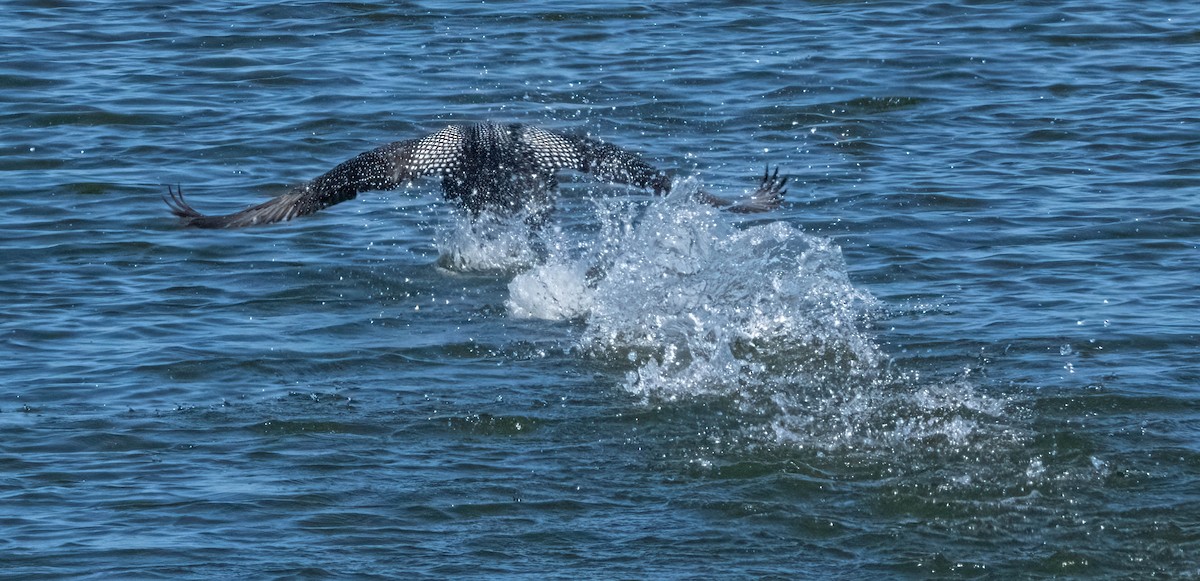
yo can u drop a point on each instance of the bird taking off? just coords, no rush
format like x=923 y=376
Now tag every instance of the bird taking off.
x=484 y=168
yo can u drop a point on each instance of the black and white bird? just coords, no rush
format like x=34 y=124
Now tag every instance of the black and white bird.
x=487 y=167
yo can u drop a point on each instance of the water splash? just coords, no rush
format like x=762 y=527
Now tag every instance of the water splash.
x=488 y=244
x=555 y=291
x=701 y=306
x=765 y=318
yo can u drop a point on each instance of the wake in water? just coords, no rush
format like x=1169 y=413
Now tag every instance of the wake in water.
x=692 y=306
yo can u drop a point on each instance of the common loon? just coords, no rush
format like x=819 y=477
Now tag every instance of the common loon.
x=484 y=167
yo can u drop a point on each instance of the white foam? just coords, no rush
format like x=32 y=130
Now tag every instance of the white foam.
x=691 y=304
x=712 y=306
x=554 y=291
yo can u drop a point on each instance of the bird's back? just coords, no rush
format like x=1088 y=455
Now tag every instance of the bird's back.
x=500 y=170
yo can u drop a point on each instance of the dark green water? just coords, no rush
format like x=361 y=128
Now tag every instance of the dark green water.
x=968 y=345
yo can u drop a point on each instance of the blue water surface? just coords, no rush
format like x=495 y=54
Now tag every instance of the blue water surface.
x=967 y=346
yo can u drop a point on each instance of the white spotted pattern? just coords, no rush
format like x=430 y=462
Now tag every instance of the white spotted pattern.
x=551 y=151
x=437 y=154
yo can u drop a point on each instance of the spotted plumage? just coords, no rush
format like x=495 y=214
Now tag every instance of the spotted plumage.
x=484 y=167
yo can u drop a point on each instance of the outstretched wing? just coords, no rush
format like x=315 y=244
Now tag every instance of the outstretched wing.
x=384 y=168
x=555 y=151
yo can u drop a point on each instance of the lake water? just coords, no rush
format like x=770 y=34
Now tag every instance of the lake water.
x=967 y=346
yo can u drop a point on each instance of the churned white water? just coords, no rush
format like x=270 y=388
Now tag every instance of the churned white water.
x=696 y=304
